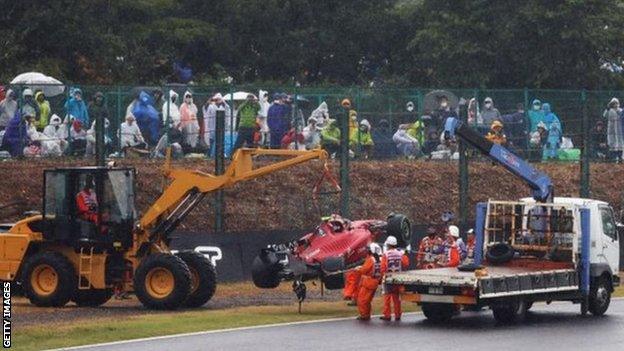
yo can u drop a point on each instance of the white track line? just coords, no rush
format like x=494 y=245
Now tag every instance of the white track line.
x=162 y=337
x=215 y=331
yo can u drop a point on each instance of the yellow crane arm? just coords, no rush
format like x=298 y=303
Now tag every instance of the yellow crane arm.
x=187 y=187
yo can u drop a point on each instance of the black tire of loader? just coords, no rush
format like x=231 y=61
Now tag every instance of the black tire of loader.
x=67 y=279
x=182 y=281
x=205 y=270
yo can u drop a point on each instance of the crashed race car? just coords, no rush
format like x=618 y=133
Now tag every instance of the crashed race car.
x=335 y=246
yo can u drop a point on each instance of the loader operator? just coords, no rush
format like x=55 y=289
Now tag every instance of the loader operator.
x=393 y=260
x=370 y=272
x=86 y=202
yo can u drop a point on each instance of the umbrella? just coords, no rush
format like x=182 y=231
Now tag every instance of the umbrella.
x=35 y=80
x=239 y=95
x=431 y=101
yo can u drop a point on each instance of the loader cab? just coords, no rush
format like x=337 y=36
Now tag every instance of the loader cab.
x=111 y=220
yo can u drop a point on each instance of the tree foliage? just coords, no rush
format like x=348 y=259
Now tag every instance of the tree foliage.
x=451 y=43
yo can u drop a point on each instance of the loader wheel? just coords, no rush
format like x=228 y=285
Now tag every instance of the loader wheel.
x=399 y=227
x=49 y=279
x=92 y=297
x=162 y=281
x=203 y=278
x=599 y=297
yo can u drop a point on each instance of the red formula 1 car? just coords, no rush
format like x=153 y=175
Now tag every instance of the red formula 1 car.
x=336 y=245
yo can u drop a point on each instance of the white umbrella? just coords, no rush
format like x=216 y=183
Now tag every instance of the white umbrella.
x=35 y=80
x=239 y=95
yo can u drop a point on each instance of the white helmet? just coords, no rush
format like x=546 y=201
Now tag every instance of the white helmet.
x=454 y=231
x=391 y=241
x=375 y=249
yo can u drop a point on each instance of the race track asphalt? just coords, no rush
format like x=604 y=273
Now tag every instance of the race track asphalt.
x=556 y=327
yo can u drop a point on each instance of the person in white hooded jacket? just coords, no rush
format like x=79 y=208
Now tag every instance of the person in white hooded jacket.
x=321 y=114
x=54 y=135
x=170 y=109
x=131 y=134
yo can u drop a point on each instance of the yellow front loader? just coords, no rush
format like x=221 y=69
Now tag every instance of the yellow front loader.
x=60 y=255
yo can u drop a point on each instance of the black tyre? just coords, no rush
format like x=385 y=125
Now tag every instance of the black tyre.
x=333 y=273
x=162 y=281
x=203 y=278
x=599 y=296
x=334 y=281
x=438 y=312
x=92 y=297
x=264 y=270
x=512 y=312
x=49 y=279
x=400 y=227
x=499 y=253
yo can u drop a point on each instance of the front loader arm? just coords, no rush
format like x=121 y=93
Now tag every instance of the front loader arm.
x=188 y=187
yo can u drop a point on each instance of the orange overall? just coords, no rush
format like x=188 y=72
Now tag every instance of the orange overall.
x=352 y=285
x=371 y=275
x=393 y=261
x=86 y=202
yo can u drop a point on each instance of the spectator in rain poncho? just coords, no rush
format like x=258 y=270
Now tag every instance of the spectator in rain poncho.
x=29 y=105
x=76 y=107
x=44 y=110
x=170 y=111
x=362 y=139
x=147 y=118
x=91 y=135
x=536 y=114
x=615 y=132
x=406 y=145
x=321 y=114
x=15 y=137
x=517 y=128
x=130 y=134
x=312 y=134
x=263 y=132
x=278 y=119
x=489 y=113
x=247 y=116
x=330 y=137
x=210 y=119
x=8 y=107
x=188 y=121
x=599 y=145
x=55 y=135
x=34 y=139
x=553 y=126
x=77 y=138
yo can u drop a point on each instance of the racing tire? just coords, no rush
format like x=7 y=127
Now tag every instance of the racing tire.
x=92 y=297
x=203 y=278
x=49 y=279
x=264 y=270
x=438 y=312
x=334 y=281
x=510 y=313
x=333 y=273
x=500 y=253
x=599 y=296
x=162 y=281
x=400 y=227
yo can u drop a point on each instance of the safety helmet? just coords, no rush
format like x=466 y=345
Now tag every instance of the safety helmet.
x=391 y=241
x=374 y=248
x=454 y=231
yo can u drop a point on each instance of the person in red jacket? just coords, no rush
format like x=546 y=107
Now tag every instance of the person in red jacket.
x=370 y=272
x=393 y=260
x=451 y=257
x=428 y=249
x=86 y=202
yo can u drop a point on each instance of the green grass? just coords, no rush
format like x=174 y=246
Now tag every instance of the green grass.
x=619 y=292
x=106 y=330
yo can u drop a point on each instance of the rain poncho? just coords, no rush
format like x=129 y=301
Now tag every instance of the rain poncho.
x=362 y=138
x=55 y=134
x=549 y=116
x=130 y=134
x=15 y=136
x=321 y=114
x=44 y=110
x=171 y=110
x=331 y=134
x=188 y=121
x=311 y=136
x=8 y=107
x=489 y=115
x=554 y=139
x=77 y=108
x=247 y=113
x=417 y=130
x=147 y=117
x=278 y=120
x=29 y=107
x=615 y=134
x=406 y=145
x=535 y=116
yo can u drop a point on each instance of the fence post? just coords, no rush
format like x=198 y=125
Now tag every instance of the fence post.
x=463 y=173
x=120 y=118
x=100 y=158
x=219 y=166
x=586 y=148
x=344 y=163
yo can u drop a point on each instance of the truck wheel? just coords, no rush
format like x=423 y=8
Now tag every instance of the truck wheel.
x=203 y=278
x=599 y=297
x=49 y=279
x=162 y=281
x=264 y=270
x=399 y=227
x=92 y=297
x=510 y=313
x=438 y=312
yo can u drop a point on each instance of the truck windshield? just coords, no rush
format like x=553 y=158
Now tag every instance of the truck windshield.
x=119 y=195
x=608 y=224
